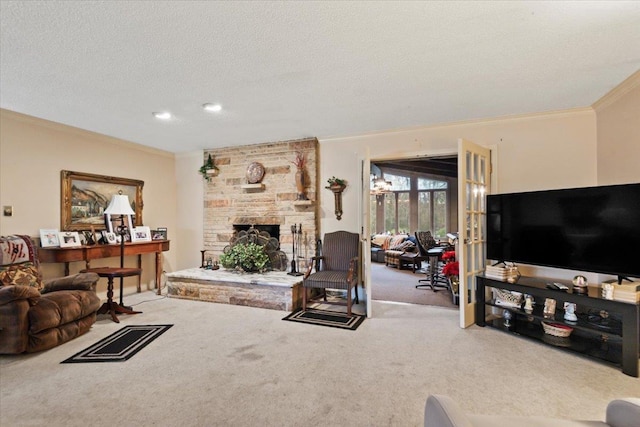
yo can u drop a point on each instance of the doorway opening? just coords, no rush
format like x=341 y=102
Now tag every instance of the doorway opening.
x=410 y=195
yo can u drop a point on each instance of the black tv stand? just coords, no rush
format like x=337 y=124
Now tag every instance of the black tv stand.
x=615 y=341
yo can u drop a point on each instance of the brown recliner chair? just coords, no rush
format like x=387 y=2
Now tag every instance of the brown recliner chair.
x=37 y=316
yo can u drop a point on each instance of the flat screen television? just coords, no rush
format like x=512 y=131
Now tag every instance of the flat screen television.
x=594 y=229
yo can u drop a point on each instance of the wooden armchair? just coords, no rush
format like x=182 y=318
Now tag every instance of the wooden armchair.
x=336 y=268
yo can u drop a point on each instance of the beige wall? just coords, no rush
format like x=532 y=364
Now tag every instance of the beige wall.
x=190 y=210
x=542 y=151
x=618 y=121
x=34 y=151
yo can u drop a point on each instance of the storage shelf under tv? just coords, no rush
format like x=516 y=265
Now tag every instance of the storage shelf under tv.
x=615 y=343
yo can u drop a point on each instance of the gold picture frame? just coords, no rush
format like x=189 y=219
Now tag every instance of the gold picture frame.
x=85 y=196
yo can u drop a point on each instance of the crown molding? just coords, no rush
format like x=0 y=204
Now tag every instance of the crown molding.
x=618 y=92
x=61 y=127
x=473 y=122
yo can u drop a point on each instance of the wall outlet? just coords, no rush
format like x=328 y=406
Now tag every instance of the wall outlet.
x=7 y=210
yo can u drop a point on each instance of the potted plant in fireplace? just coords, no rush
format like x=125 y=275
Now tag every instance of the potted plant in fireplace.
x=248 y=257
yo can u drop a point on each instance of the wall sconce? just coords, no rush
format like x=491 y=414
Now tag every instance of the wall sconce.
x=337 y=186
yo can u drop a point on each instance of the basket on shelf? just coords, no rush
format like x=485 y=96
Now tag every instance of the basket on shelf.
x=557 y=329
x=557 y=341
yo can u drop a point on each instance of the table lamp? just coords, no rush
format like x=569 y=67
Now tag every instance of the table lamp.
x=120 y=205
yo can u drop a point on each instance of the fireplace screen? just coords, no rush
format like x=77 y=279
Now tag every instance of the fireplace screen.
x=271 y=245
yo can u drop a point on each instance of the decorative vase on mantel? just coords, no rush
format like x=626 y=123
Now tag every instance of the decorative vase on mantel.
x=301 y=179
x=301 y=184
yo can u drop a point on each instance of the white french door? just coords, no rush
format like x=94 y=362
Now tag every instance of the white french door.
x=474 y=169
x=365 y=264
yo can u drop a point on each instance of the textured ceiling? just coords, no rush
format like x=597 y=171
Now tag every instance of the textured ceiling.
x=286 y=70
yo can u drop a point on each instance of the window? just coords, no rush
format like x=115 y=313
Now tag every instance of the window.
x=390 y=224
x=402 y=202
x=414 y=203
x=439 y=213
x=398 y=183
x=432 y=206
x=424 y=211
x=431 y=184
x=373 y=217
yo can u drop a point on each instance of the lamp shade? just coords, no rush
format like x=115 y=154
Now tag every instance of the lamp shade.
x=119 y=205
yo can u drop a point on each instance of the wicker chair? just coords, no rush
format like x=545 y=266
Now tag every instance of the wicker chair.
x=336 y=268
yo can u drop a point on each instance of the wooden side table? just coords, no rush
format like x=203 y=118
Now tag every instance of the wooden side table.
x=111 y=306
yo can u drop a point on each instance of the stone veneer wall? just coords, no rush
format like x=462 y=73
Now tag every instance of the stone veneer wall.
x=227 y=203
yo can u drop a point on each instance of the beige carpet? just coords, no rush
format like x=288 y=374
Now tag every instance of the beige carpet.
x=391 y=284
x=222 y=365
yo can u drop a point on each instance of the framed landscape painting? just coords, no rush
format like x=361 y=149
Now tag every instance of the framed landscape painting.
x=85 y=196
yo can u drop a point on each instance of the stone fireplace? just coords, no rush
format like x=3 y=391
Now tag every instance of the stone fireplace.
x=230 y=204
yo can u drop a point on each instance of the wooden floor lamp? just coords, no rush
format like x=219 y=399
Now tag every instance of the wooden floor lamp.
x=120 y=205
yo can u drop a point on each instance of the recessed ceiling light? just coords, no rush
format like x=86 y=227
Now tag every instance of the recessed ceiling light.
x=212 y=107
x=162 y=116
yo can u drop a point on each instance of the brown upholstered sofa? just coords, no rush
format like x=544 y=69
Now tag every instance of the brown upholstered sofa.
x=37 y=316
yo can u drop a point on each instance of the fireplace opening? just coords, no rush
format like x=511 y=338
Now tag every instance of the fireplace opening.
x=272 y=229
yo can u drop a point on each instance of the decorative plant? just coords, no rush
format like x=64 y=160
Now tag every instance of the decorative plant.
x=300 y=161
x=206 y=167
x=449 y=256
x=245 y=256
x=336 y=181
x=301 y=178
x=451 y=269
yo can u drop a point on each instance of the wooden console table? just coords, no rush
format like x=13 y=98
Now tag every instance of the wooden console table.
x=87 y=253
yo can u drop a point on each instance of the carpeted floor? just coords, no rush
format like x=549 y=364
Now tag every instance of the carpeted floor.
x=391 y=284
x=224 y=365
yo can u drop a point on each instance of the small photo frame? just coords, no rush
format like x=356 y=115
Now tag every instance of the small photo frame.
x=69 y=239
x=141 y=234
x=109 y=238
x=49 y=238
x=159 y=234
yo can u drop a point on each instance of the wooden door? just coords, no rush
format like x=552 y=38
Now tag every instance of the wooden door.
x=474 y=168
x=365 y=232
